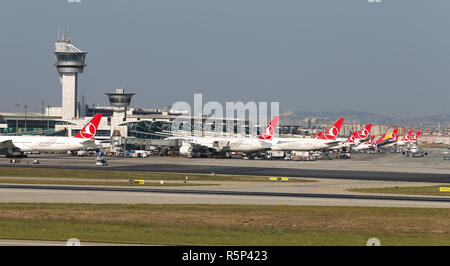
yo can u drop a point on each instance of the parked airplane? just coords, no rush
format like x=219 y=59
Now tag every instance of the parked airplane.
x=354 y=139
x=388 y=140
x=321 y=141
x=368 y=145
x=415 y=137
x=230 y=144
x=17 y=145
x=364 y=134
x=406 y=140
x=333 y=131
x=414 y=151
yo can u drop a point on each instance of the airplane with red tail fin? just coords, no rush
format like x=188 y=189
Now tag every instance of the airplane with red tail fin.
x=270 y=129
x=354 y=139
x=364 y=134
x=368 y=145
x=332 y=132
x=89 y=130
x=229 y=144
x=319 y=135
x=406 y=140
x=388 y=140
x=325 y=140
x=416 y=136
x=15 y=146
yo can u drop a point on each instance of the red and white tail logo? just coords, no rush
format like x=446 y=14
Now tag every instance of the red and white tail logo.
x=416 y=136
x=364 y=133
x=333 y=131
x=89 y=130
x=270 y=129
x=352 y=138
x=407 y=137
x=371 y=141
x=394 y=134
x=319 y=135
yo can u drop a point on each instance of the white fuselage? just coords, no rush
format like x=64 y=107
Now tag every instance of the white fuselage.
x=404 y=143
x=299 y=144
x=364 y=146
x=389 y=145
x=232 y=144
x=48 y=144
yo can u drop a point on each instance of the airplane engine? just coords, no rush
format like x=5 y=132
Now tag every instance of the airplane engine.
x=186 y=150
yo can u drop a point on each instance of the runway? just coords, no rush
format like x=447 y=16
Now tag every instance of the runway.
x=226 y=193
x=205 y=167
x=291 y=172
x=260 y=171
x=335 y=178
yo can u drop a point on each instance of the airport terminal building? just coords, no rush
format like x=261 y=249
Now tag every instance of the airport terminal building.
x=127 y=127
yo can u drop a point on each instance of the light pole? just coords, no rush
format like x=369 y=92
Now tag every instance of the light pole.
x=26 y=107
x=48 y=118
x=17 y=105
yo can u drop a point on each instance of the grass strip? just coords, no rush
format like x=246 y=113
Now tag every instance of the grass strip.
x=224 y=224
x=106 y=174
x=425 y=190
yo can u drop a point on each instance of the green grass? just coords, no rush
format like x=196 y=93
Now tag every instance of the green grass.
x=425 y=190
x=106 y=174
x=224 y=224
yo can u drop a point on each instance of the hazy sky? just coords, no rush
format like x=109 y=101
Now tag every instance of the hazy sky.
x=390 y=58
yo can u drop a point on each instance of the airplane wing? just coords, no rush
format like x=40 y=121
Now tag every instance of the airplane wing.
x=89 y=143
x=7 y=147
x=7 y=144
x=174 y=138
x=283 y=142
x=386 y=142
x=333 y=143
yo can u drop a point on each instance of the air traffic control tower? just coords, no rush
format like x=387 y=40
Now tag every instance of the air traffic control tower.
x=69 y=62
x=121 y=101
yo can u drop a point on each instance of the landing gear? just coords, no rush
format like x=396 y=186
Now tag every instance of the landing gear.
x=16 y=156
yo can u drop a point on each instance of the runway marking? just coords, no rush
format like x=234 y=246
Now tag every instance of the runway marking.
x=17 y=243
x=229 y=193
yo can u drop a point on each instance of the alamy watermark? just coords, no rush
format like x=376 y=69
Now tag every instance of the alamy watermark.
x=73 y=242
x=234 y=118
x=373 y=242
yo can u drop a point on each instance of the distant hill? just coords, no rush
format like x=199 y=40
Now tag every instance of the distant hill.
x=364 y=117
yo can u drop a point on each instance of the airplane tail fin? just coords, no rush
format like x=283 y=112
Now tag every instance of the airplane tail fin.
x=319 y=135
x=351 y=138
x=269 y=132
x=89 y=130
x=388 y=138
x=417 y=135
x=381 y=139
x=395 y=134
x=364 y=133
x=333 y=131
x=407 y=136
